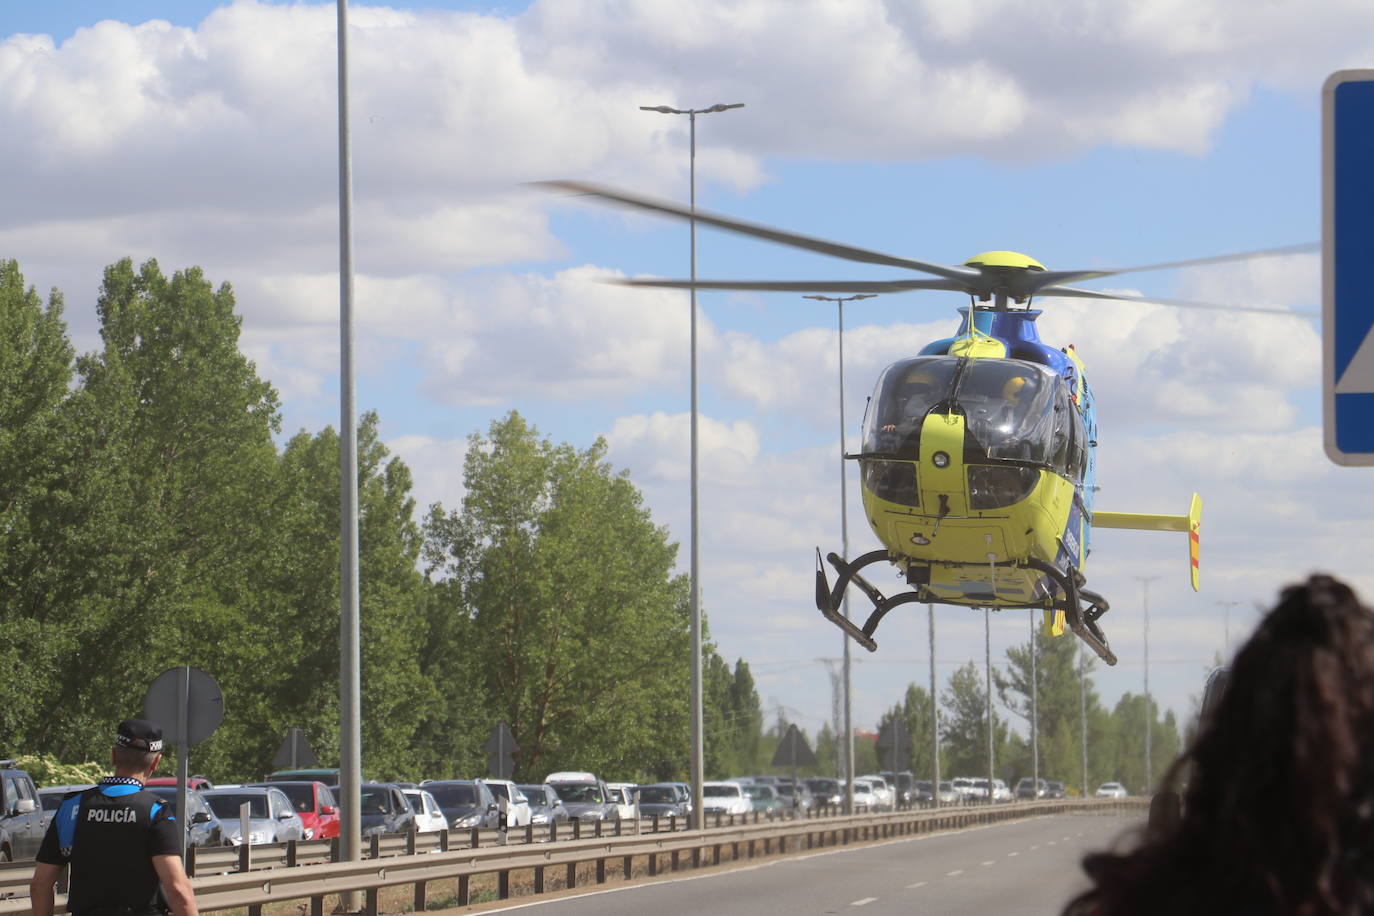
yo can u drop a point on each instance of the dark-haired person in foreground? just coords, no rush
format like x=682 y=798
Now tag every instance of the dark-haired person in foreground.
x=120 y=841
x=1278 y=815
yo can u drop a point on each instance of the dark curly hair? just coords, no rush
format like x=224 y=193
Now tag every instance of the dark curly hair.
x=1278 y=813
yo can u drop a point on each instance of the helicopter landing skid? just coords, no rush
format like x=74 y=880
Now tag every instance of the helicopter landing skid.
x=1082 y=620
x=828 y=600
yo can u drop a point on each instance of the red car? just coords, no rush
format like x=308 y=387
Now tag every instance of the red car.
x=192 y=782
x=314 y=802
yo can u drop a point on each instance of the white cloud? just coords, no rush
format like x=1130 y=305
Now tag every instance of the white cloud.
x=437 y=467
x=215 y=145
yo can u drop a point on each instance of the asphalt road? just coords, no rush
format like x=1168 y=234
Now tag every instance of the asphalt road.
x=1027 y=866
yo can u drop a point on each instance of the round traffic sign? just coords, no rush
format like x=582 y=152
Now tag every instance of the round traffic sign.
x=198 y=718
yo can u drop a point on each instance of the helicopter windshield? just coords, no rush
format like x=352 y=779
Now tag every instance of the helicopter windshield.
x=904 y=395
x=1008 y=409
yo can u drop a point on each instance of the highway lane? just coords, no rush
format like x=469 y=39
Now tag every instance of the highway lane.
x=1027 y=866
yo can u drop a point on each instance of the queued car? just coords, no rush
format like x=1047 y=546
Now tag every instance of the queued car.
x=623 y=793
x=467 y=803
x=384 y=809
x=662 y=799
x=826 y=791
x=517 y=806
x=192 y=782
x=584 y=795
x=966 y=788
x=1055 y=790
x=314 y=802
x=865 y=799
x=1026 y=787
x=796 y=795
x=203 y=828
x=327 y=775
x=948 y=796
x=724 y=798
x=903 y=784
x=21 y=818
x=1111 y=790
x=684 y=793
x=886 y=795
x=429 y=818
x=1000 y=792
x=271 y=817
x=764 y=797
x=545 y=805
x=49 y=797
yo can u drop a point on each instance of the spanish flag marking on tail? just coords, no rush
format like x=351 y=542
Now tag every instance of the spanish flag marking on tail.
x=1194 y=523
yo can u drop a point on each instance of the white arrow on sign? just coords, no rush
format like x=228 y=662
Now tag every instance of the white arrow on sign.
x=1358 y=377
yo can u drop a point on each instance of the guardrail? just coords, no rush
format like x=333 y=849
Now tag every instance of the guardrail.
x=256 y=888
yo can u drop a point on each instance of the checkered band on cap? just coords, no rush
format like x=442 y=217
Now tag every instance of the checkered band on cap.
x=140 y=735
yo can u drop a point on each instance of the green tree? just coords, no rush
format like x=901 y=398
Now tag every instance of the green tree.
x=964 y=724
x=826 y=751
x=35 y=373
x=1058 y=705
x=581 y=625
x=915 y=714
x=746 y=719
x=1127 y=757
x=170 y=437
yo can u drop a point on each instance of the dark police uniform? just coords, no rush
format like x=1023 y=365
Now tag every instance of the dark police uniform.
x=109 y=835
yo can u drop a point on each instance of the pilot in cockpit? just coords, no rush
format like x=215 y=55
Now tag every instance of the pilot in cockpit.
x=918 y=392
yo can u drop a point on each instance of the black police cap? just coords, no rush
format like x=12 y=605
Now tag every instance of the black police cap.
x=139 y=734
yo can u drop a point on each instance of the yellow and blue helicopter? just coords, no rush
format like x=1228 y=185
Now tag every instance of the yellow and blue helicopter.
x=978 y=459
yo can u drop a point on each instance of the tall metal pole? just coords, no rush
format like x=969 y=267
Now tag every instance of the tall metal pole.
x=844 y=546
x=698 y=765
x=1149 y=712
x=350 y=664
x=1035 y=712
x=987 y=668
x=698 y=701
x=934 y=712
x=1083 y=712
x=848 y=744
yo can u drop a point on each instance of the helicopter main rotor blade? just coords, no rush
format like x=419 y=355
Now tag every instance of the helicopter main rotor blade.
x=801 y=286
x=1069 y=292
x=1051 y=277
x=822 y=246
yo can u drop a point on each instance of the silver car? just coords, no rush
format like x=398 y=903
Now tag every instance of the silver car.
x=271 y=817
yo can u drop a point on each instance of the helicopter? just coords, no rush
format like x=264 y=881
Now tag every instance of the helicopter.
x=978 y=458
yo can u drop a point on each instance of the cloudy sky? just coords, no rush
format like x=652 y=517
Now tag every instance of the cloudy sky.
x=1083 y=133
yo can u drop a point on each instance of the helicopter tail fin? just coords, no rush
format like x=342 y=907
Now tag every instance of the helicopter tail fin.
x=1189 y=523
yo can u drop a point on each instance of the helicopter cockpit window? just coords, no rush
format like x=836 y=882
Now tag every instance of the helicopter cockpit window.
x=904 y=395
x=1009 y=410
x=894 y=481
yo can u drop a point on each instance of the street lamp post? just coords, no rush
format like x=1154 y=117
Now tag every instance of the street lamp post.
x=934 y=714
x=1083 y=712
x=350 y=669
x=1035 y=713
x=698 y=756
x=987 y=670
x=844 y=546
x=1149 y=715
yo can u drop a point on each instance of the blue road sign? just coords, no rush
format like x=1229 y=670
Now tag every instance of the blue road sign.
x=1348 y=266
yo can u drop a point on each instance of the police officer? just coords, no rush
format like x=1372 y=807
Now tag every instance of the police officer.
x=120 y=841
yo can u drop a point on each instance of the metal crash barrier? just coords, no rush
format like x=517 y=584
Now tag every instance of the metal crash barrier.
x=419 y=859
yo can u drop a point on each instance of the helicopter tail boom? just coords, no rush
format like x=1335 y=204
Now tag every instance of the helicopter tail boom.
x=1140 y=522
